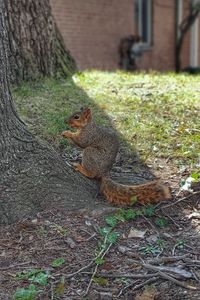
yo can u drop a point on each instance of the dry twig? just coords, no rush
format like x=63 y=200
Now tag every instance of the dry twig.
x=170 y=278
x=96 y=268
x=80 y=270
x=177 y=201
x=15 y=265
x=134 y=276
x=138 y=286
x=174 y=271
x=166 y=259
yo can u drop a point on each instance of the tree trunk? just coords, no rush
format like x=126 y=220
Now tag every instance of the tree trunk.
x=32 y=175
x=184 y=28
x=35 y=45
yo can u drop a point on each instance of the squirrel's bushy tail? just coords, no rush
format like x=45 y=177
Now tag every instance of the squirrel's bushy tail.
x=151 y=192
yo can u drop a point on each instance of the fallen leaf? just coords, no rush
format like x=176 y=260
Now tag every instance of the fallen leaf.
x=148 y=294
x=135 y=233
x=100 y=280
x=60 y=288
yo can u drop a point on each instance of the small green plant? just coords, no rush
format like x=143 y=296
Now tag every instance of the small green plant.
x=186 y=184
x=148 y=211
x=99 y=261
x=162 y=222
x=130 y=214
x=180 y=244
x=150 y=249
x=153 y=249
x=111 y=220
x=60 y=229
x=108 y=236
x=29 y=293
x=161 y=244
x=126 y=281
x=58 y=262
x=121 y=215
x=35 y=276
x=195 y=177
x=41 y=231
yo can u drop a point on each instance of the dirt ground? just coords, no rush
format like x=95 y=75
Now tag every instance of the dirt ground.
x=151 y=259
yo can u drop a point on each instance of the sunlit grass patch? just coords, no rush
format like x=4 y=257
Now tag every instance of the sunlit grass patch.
x=156 y=113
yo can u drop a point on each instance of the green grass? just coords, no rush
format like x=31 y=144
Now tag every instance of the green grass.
x=158 y=114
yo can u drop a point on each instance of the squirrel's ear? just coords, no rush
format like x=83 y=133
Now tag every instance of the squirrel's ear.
x=84 y=108
x=87 y=112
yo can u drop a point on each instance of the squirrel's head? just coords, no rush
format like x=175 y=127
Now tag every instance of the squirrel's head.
x=79 y=119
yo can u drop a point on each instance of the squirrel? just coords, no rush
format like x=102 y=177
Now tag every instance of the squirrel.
x=100 y=150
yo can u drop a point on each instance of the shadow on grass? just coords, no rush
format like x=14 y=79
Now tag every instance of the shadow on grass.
x=45 y=104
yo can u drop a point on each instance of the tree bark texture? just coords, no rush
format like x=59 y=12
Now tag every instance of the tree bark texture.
x=33 y=176
x=35 y=45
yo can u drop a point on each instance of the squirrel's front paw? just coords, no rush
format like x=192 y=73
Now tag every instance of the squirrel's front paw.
x=76 y=166
x=66 y=133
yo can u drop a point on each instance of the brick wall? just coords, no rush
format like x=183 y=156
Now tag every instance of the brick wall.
x=92 y=30
x=161 y=55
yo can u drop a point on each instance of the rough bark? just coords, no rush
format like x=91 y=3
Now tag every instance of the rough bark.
x=35 y=45
x=32 y=176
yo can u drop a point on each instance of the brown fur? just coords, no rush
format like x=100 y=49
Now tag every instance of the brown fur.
x=100 y=150
x=151 y=192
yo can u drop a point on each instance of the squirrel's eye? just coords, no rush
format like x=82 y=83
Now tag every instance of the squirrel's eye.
x=76 y=117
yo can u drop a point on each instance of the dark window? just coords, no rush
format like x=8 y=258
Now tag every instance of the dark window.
x=143 y=10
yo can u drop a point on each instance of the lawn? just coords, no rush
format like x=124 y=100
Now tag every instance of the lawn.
x=156 y=114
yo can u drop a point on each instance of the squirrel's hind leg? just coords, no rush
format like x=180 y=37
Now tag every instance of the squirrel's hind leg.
x=82 y=170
